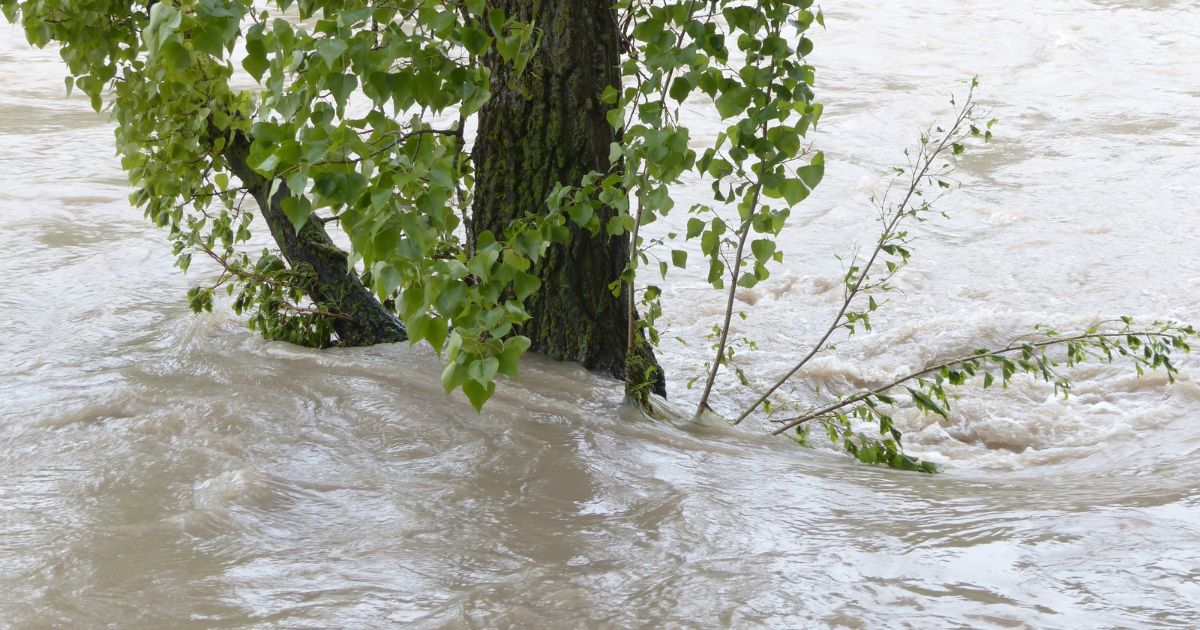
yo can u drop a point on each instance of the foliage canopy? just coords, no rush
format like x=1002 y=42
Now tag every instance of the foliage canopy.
x=357 y=112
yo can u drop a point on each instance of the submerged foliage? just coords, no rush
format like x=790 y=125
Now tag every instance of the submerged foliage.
x=1044 y=355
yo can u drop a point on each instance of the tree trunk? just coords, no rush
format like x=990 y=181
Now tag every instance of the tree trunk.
x=336 y=287
x=548 y=127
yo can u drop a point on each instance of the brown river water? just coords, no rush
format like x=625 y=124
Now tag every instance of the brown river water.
x=164 y=470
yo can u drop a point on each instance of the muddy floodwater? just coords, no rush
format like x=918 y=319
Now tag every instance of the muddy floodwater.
x=160 y=469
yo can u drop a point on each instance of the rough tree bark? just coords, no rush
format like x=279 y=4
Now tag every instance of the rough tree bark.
x=336 y=287
x=548 y=127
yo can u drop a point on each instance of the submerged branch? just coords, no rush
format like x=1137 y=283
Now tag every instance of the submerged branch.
x=1174 y=335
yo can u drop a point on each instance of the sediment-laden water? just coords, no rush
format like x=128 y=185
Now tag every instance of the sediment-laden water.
x=161 y=469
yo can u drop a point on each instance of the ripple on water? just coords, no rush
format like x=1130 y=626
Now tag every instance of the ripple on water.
x=168 y=470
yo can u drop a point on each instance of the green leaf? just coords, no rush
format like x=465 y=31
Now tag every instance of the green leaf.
x=793 y=191
x=617 y=225
x=268 y=164
x=733 y=101
x=331 y=50
x=417 y=328
x=298 y=210
x=710 y=243
x=256 y=57
x=526 y=285
x=510 y=357
x=680 y=88
x=926 y=403
x=175 y=56
x=164 y=20
x=610 y=95
x=442 y=21
x=763 y=248
x=474 y=98
x=785 y=139
x=437 y=332
x=209 y=38
x=454 y=374
x=716 y=271
x=812 y=174
x=341 y=85
x=475 y=40
x=679 y=258
x=483 y=370
x=478 y=394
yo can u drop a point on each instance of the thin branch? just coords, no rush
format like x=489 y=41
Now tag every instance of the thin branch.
x=792 y=423
x=733 y=286
x=398 y=141
x=918 y=176
x=230 y=271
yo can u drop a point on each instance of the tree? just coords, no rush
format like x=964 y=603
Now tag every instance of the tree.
x=492 y=164
x=304 y=149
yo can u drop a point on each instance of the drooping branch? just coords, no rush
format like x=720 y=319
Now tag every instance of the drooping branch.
x=335 y=286
x=1099 y=344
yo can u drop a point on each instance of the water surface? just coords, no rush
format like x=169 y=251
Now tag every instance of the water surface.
x=160 y=469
